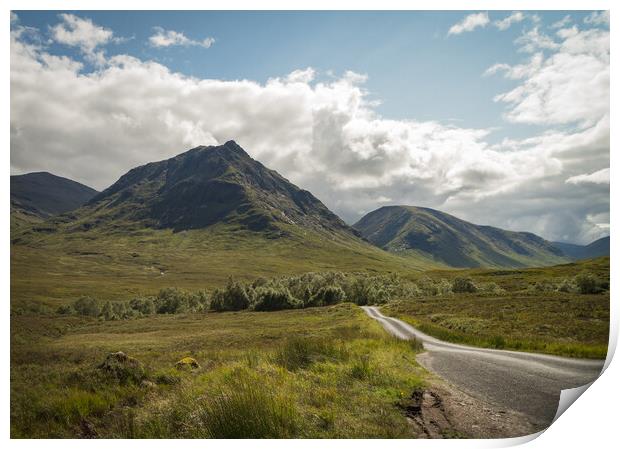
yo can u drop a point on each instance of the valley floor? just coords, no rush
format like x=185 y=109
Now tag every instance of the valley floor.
x=529 y=314
x=340 y=376
x=314 y=372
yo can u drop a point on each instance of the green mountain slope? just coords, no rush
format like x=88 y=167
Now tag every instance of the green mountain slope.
x=443 y=238
x=189 y=221
x=203 y=187
x=43 y=194
x=597 y=248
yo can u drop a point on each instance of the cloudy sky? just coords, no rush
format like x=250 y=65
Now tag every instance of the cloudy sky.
x=500 y=118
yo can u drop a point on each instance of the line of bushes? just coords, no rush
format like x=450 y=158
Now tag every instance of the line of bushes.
x=309 y=290
x=168 y=301
x=584 y=283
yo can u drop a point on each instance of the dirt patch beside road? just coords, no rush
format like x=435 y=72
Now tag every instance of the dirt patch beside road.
x=443 y=411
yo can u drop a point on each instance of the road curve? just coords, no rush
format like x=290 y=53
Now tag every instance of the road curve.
x=526 y=382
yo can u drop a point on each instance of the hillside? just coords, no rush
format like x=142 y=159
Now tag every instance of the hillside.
x=443 y=238
x=190 y=221
x=597 y=248
x=203 y=187
x=41 y=195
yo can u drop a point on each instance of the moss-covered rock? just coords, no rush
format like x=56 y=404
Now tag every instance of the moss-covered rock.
x=123 y=367
x=187 y=363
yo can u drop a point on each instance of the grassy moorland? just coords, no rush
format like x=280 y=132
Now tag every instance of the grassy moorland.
x=535 y=309
x=48 y=268
x=320 y=368
x=339 y=376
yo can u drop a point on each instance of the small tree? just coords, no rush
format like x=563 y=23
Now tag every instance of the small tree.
x=65 y=309
x=144 y=306
x=198 y=301
x=567 y=286
x=232 y=297
x=171 y=300
x=587 y=283
x=270 y=298
x=106 y=311
x=463 y=285
x=120 y=310
x=326 y=296
x=87 y=306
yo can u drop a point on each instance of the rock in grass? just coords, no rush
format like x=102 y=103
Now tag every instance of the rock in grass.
x=123 y=367
x=187 y=363
x=148 y=384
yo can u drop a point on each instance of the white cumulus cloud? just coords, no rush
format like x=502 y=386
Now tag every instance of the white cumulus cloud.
x=597 y=18
x=470 y=23
x=571 y=85
x=327 y=137
x=169 y=38
x=82 y=33
x=562 y=22
x=507 y=22
x=598 y=177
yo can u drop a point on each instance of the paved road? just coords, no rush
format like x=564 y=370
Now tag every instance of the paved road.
x=525 y=382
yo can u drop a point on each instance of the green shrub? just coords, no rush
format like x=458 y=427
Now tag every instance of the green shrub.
x=491 y=288
x=328 y=295
x=65 y=309
x=544 y=286
x=444 y=287
x=144 y=306
x=198 y=301
x=498 y=342
x=366 y=291
x=567 y=286
x=587 y=283
x=427 y=287
x=87 y=306
x=106 y=311
x=171 y=300
x=270 y=298
x=463 y=285
x=120 y=310
x=233 y=297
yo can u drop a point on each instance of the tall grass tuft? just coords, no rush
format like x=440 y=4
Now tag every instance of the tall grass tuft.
x=362 y=367
x=298 y=352
x=247 y=408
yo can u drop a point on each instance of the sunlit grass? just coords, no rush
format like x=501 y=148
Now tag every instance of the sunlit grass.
x=340 y=376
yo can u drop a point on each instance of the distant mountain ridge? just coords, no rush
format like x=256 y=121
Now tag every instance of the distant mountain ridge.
x=443 y=238
x=222 y=185
x=42 y=195
x=597 y=248
x=204 y=186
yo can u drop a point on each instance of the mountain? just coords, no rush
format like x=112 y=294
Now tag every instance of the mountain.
x=37 y=196
x=443 y=238
x=597 y=248
x=43 y=194
x=191 y=222
x=206 y=186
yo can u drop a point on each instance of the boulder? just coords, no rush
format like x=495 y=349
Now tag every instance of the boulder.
x=187 y=363
x=123 y=367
